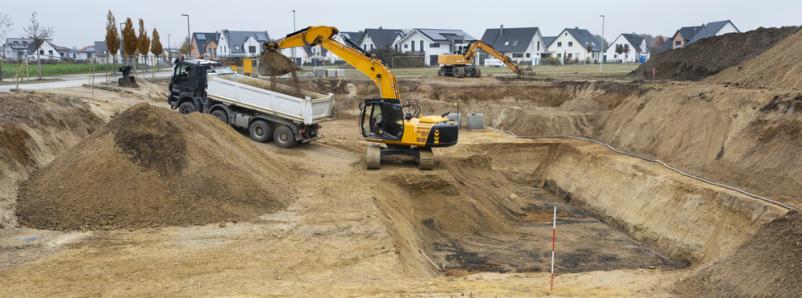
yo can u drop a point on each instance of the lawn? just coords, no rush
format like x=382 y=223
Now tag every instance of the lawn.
x=10 y=70
x=561 y=72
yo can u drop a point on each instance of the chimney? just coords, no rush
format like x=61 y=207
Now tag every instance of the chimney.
x=380 y=27
x=501 y=29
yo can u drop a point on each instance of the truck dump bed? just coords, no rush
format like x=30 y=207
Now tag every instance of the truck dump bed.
x=254 y=94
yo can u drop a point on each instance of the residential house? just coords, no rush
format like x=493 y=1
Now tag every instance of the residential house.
x=237 y=44
x=66 y=53
x=204 y=45
x=522 y=45
x=321 y=55
x=16 y=48
x=86 y=53
x=632 y=47
x=380 y=38
x=576 y=46
x=430 y=43
x=689 y=35
x=46 y=51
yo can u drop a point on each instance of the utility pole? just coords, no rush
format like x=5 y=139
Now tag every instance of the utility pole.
x=293 y=30
x=601 y=48
x=169 y=54
x=189 y=37
x=122 y=46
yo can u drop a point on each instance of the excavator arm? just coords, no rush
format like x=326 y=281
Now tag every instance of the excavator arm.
x=372 y=67
x=477 y=45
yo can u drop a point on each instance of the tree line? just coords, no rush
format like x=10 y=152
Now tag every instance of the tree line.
x=132 y=44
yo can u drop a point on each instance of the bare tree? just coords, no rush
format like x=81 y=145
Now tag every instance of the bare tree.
x=5 y=25
x=112 y=36
x=185 y=47
x=38 y=34
x=129 y=40
x=143 y=41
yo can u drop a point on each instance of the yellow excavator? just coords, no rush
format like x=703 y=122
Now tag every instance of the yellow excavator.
x=390 y=126
x=461 y=65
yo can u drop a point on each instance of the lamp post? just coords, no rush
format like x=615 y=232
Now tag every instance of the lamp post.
x=601 y=48
x=169 y=55
x=122 y=44
x=293 y=30
x=189 y=37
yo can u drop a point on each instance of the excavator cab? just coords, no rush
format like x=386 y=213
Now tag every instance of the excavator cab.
x=382 y=119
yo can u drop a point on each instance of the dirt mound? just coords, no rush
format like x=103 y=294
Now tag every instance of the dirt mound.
x=779 y=67
x=152 y=167
x=712 y=55
x=34 y=127
x=768 y=265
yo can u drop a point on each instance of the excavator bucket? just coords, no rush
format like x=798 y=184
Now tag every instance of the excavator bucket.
x=526 y=72
x=274 y=64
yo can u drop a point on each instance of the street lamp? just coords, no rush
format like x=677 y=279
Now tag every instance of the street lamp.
x=189 y=37
x=122 y=44
x=293 y=30
x=169 y=55
x=601 y=48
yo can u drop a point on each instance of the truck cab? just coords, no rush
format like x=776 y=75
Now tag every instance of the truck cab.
x=188 y=84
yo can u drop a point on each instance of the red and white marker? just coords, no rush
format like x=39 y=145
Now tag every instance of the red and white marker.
x=553 y=245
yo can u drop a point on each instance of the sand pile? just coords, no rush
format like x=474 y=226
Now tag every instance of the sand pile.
x=768 y=265
x=152 y=167
x=779 y=67
x=712 y=55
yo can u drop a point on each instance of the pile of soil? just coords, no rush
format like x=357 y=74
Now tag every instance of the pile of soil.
x=710 y=56
x=768 y=265
x=153 y=167
x=34 y=127
x=779 y=67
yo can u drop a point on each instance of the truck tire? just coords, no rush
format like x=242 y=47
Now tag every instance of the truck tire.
x=221 y=114
x=283 y=137
x=260 y=131
x=373 y=158
x=186 y=107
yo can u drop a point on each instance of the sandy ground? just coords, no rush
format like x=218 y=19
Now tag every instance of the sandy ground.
x=332 y=241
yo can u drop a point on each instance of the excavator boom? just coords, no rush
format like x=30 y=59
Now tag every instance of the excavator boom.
x=374 y=68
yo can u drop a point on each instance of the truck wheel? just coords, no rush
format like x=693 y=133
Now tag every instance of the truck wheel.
x=260 y=131
x=186 y=107
x=221 y=114
x=284 y=137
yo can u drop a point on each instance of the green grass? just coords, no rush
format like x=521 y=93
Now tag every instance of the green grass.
x=561 y=72
x=10 y=70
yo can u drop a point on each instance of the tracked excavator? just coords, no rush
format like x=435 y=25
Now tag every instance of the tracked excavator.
x=461 y=65
x=390 y=126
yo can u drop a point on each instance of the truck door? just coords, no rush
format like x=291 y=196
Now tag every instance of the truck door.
x=184 y=79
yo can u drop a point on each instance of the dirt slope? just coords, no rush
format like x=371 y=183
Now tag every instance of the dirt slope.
x=779 y=67
x=34 y=128
x=768 y=265
x=154 y=167
x=712 y=55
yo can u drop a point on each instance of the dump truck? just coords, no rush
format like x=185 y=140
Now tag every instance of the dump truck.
x=286 y=117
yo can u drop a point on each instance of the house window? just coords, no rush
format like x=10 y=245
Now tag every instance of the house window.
x=41 y=52
x=252 y=49
x=372 y=47
x=570 y=43
x=678 y=43
x=559 y=44
x=559 y=55
x=406 y=46
x=421 y=45
x=517 y=55
x=528 y=55
x=434 y=45
x=538 y=46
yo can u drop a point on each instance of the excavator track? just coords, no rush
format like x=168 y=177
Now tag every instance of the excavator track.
x=425 y=160
x=373 y=158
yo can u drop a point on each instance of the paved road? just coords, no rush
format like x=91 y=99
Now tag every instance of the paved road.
x=68 y=81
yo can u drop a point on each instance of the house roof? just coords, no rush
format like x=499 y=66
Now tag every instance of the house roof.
x=508 y=40
x=382 y=38
x=449 y=35
x=87 y=49
x=549 y=39
x=235 y=39
x=688 y=32
x=585 y=38
x=710 y=30
x=634 y=40
x=354 y=37
x=18 y=43
x=202 y=38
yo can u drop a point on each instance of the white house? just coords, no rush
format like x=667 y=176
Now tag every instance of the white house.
x=632 y=48
x=16 y=48
x=575 y=46
x=235 y=44
x=46 y=51
x=432 y=42
x=522 y=45
x=688 y=35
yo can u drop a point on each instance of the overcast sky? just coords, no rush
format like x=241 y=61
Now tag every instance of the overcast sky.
x=79 y=23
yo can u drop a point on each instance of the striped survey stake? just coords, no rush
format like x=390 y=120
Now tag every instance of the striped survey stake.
x=553 y=246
